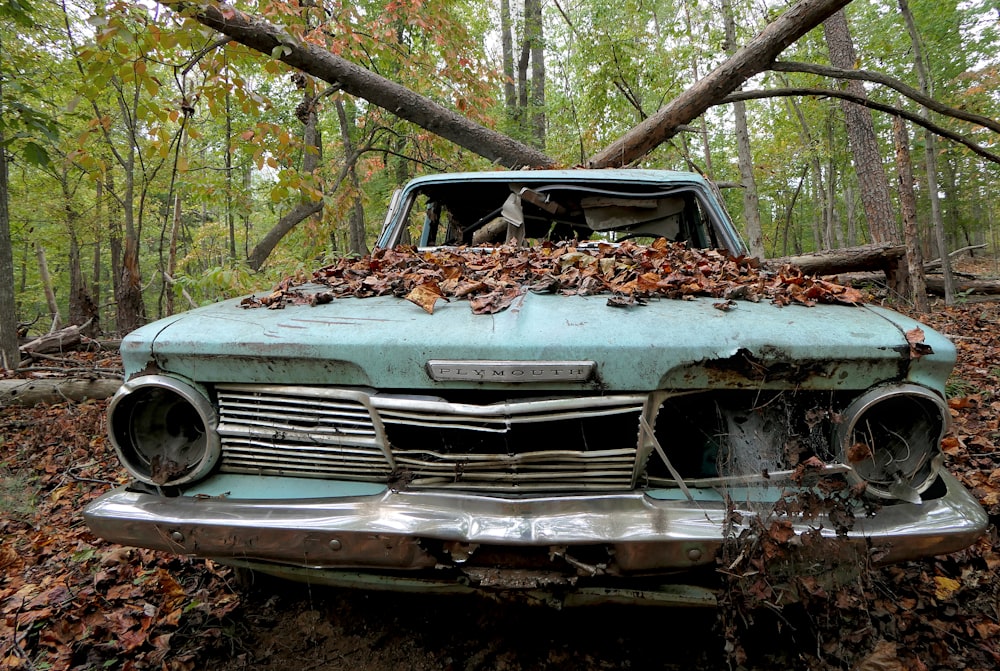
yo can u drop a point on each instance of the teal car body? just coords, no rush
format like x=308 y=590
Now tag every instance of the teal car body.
x=560 y=447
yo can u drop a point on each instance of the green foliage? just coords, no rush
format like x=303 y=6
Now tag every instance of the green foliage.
x=133 y=109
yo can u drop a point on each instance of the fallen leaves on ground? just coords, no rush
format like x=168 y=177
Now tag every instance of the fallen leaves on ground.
x=492 y=278
x=67 y=599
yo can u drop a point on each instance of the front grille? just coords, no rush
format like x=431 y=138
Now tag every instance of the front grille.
x=560 y=444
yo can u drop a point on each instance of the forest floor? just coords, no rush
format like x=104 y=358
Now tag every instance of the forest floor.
x=71 y=601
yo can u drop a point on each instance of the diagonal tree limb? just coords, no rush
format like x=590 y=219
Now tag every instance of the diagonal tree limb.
x=879 y=78
x=866 y=102
x=757 y=56
x=275 y=42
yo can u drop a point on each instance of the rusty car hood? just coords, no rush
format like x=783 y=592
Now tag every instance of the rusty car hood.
x=386 y=343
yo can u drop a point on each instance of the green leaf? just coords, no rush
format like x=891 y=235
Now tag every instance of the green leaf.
x=35 y=154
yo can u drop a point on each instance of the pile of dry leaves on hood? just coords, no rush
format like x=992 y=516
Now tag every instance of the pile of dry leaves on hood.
x=492 y=278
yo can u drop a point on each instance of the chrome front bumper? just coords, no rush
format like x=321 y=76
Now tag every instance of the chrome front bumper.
x=394 y=530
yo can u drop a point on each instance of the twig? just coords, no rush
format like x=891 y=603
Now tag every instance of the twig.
x=16 y=641
x=72 y=470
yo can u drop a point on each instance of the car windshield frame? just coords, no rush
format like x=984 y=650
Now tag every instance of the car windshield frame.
x=719 y=231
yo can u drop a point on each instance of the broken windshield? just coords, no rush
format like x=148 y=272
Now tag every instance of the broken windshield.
x=495 y=212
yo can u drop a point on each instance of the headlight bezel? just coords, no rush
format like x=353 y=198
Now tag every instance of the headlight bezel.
x=161 y=400
x=922 y=468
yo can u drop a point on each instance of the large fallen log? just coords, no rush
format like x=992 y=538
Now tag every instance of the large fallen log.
x=55 y=390
x=935 y=285
x=56 y=341
x=847 y=260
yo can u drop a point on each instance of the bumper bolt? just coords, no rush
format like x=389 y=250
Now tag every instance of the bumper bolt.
x=335 y=545
x=694 y=554
x=177 y=536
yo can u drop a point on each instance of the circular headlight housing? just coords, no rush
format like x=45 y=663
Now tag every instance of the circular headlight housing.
x=164 y=430
x=891 y=438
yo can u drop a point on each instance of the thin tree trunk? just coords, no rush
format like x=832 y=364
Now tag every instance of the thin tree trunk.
x=10 y=357
x=815 y=167
x=50 y=294
x=131 y=308
x=535 y=36
x=230 y=219
x=507 y=49
x=310 y=161
x=523 y=61
x=82 y=308
x=175 y=228
x=908 y=204
x=930 y=153
x=266 y=245
x=356 y=223
x=852 y=220
x=114 y=224
x=95 y=285
x=751 y=207
x=830 y=195
x=703 y=124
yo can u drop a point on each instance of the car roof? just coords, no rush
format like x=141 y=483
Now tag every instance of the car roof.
x=587 y=175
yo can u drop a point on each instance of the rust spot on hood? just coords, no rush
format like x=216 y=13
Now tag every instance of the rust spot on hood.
x=770 y=366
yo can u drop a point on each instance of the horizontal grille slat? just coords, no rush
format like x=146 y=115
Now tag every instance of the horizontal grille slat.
x=552 y=444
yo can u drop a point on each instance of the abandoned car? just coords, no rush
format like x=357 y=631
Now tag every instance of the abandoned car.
x=576 y=439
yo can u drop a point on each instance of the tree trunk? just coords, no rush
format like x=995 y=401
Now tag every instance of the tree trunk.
x=930 y=152
x=95 y=285
x=263 y=249
x=175 y=230
x=756 y=56
x=751 y=207
x=935 y=285
x=861 y=137
x=131 y=308
x=703 y=124
x=114 y=240
x=313 y=59
x=908 y=204
x=507 y=50
x=813 y=162
x=50 y=294
x=81 y=306
x=9 y=355
x=356 y=223
x=230 y=219
x=534 y=36
x=306 y=208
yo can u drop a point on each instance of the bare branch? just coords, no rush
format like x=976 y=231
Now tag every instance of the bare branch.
x=757 y=56
x=866 y=102
x=893 y=83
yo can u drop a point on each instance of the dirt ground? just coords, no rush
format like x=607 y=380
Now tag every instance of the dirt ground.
x=296 y=627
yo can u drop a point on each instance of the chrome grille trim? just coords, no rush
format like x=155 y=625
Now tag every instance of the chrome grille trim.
x=327 y=432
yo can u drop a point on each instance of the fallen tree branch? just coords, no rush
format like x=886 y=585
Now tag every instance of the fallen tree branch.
x=32 y=392
x=864 y=102
x=56 y=341
x=277 y=42
x=756 y=56
x=935 y=285
x=931 y=265
x=846 y=260
x=891 y=82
